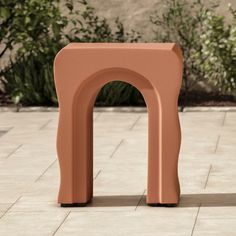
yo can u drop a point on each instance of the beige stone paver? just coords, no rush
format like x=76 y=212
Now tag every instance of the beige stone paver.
x=30 y=223
x=29 y=177
x=128 y=223
x=215 y=227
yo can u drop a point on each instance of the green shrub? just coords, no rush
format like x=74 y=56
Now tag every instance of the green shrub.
x=119 y=93
x=40 y=31
x=219 y=52
x=34 y=31
x=29 y=81
x=27 y=25
x=181 y=22
x=208 y=44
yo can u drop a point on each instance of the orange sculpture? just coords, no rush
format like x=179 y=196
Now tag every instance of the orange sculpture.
x=81 y=70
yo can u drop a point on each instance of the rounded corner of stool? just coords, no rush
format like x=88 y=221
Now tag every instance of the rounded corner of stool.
x=176 y=50
x=59 y=56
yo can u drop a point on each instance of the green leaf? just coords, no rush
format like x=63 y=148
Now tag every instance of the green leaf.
x=4 y=13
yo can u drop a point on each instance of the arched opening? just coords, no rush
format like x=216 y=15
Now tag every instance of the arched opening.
x=76 y=142
x=83 y=125
x=119 y=93
x=120 y=152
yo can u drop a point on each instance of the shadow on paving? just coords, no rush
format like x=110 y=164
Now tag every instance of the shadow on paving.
x=186 y=200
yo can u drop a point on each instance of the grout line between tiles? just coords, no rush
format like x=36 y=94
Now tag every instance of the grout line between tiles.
x=14 y=150
x=98 y=115
x=194 y=225
x=208 y=175
x=122 y=140
x=5 y=131
x=97 y=174
x=45 y=170
x=217 y=143
x=140 y=200
x=8 y=209
x=224 y=118
x=135 y=122
x=63 y=221
x=45 y=124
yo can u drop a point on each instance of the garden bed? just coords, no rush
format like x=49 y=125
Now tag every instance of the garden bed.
x=194 y=99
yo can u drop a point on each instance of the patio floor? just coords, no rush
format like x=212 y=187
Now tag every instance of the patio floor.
x=29 y=178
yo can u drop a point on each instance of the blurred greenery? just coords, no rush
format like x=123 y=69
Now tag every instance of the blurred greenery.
x=38 y=30
x=207 y=42
x=219 y=52
x=181 y=22
x=33 y=31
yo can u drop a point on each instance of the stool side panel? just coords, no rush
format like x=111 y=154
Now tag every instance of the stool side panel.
x=79 y=72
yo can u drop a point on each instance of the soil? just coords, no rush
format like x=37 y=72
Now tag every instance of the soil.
x=200 y=98
x=194 y=98
x=5 y=100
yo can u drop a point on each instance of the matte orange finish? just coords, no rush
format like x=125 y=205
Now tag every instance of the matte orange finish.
x=80 y=70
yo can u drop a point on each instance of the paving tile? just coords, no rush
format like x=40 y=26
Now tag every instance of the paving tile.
x=30 y=223
x=98 y=204
x=33 y=204
x=120 y=183
x=230 y=120
x=7 y=149
x=215 y=227
x=29 y=177
x=131 y=146
x=106 y=145
x=112 y=203
x=203 y=119
x=184 y=208
x=207 y=200
x=222 y=178
x=24 y=166
x=214 y=211
x=123 y=121
x=4 y=207
x=226 y=148
x=3 y=131
x=127 y=223
x=193 y=176
x=12 y=187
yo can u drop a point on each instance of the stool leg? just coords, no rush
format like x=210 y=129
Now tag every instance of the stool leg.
x=164 y=145
x=75 y=158
x=171 y=137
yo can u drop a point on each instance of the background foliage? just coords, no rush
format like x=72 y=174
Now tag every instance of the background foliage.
x=33 y=31
x=39 y=30
x=208 y=43
x=219 y=52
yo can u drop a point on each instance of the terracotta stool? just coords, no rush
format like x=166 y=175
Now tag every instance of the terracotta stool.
x=81 y=69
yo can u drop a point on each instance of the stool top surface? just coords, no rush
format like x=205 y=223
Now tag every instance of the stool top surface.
x=160 y=46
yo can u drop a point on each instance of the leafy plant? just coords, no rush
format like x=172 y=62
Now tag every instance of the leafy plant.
x=34 y=31
x=119 y=93
x=30 y=80
x=28 y=24
x=208 y=44
x=182 y=22
x=40 y=30
x=219 y=52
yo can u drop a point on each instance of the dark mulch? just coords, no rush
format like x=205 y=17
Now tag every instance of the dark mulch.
x=5 y=100
x=194 y=98
x=200 y=98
